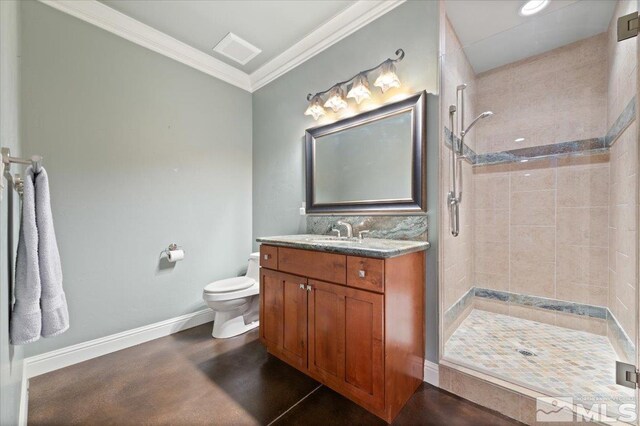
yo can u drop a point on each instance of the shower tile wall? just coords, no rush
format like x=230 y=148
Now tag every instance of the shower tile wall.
x=562 y=228
x=457 y=271
x=623 y=201
x=541 y=228
x=557 y=96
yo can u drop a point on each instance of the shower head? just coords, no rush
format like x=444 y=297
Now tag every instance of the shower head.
x=481 y=116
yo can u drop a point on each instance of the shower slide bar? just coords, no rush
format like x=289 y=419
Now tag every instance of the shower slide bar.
x=454 y=198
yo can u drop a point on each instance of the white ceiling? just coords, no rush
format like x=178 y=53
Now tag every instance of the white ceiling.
x=273 y=25
x=493 y=33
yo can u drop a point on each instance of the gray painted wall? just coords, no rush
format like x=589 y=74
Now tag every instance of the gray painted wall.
x=279 y=123
x=10 y=356
x=141 y=151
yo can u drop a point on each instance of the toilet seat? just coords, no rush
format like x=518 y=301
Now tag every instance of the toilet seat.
x=229 y=284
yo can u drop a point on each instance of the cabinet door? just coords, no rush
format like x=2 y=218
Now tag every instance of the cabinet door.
x=326 y=332
x=364 y=347
x=346 y=336
x=284 y=316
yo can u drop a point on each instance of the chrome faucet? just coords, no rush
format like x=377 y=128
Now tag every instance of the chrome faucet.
x=348 y=226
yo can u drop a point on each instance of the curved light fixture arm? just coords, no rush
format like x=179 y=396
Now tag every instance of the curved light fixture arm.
x=400 y=56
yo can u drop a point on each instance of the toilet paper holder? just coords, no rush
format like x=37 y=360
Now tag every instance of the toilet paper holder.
x=172 y=246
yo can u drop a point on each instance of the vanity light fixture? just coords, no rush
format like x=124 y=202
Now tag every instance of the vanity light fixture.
x=388 y=77
x=315 y=108
x=533 y=6
x=359 y=90
x=336 y=99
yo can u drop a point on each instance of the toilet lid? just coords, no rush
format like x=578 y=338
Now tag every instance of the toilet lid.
x=230 y=284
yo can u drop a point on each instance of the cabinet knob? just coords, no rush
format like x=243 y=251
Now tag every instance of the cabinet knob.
x=361 y=273
x=267 y=256
x=302 y=286
x=308 y=288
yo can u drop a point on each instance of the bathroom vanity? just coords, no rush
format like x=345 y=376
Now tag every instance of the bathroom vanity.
x=347 y=312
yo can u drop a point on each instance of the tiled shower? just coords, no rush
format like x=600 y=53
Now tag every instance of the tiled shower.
x=540 y=287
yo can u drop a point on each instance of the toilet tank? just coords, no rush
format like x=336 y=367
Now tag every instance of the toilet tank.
x=253 y=271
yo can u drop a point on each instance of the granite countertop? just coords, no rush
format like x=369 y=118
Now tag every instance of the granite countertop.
x=368 y=247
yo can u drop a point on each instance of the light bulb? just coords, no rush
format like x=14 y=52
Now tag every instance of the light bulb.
x=315 y=108
x=336 y=99
x=360 y=89
x=387 y=78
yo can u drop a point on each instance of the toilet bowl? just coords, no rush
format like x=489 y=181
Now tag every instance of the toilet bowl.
x=235 y=302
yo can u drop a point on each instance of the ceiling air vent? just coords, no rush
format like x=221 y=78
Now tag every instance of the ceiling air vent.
x=237 y=49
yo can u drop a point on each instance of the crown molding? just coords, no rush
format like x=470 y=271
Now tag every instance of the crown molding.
x=340 y=26
x=101 y=15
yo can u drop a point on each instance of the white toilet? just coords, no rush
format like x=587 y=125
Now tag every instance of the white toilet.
x=235 y=301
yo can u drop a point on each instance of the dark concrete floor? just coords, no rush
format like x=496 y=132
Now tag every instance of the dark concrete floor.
x=189 y=378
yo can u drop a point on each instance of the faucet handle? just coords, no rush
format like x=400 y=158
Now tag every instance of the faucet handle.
x=336 y=230
x=362 y=233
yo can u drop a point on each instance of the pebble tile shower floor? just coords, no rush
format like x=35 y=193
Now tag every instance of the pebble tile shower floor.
x=552 y=360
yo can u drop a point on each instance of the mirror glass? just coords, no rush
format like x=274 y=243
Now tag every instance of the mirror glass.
x=368 y=162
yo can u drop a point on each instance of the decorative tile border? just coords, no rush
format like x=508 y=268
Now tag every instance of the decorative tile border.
x=627 y=117
x=469 y=154
x=586 y=146
x=578 y=147
x=390 y=227
x=591 y=311
x=457 y=308
x=625 y=344
x=600 y=312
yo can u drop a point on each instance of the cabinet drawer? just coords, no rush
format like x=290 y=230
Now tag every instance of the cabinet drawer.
x=313 y=264
x=365 y=273
x=269 y=257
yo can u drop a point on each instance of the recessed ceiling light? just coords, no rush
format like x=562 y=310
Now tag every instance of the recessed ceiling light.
x=519 y=140
x=533 y=6
x=524 y=161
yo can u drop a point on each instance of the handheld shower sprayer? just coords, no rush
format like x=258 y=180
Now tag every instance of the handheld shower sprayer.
x=485 y=114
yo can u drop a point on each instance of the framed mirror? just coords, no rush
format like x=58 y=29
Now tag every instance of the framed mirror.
x=370 y=163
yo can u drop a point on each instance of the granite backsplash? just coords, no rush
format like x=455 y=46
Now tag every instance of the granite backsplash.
x=389 y=227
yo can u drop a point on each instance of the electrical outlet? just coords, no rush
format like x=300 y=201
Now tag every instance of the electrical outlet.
x=303 y=209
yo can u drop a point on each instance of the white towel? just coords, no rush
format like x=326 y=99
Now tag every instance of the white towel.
x=55 y=316
x=26 y=319
x=40 y=306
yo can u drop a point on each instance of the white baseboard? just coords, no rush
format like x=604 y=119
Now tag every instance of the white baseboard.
x=60 y=358
x=432 y=373
x=24 y=397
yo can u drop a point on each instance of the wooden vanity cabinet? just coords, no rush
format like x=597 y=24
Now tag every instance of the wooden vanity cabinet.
x=361 y=334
